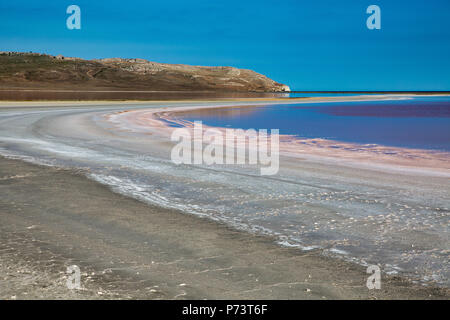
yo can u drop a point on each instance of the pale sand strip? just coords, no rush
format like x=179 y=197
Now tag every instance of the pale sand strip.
x=59 y=103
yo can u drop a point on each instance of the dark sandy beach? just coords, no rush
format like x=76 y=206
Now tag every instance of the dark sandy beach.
x=51 y=218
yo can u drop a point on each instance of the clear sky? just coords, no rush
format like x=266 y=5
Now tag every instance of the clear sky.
x=309 y=45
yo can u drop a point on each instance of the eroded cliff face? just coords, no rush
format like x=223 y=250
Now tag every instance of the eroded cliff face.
x=39 y=70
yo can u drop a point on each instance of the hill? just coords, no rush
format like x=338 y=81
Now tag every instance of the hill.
x=41 y=71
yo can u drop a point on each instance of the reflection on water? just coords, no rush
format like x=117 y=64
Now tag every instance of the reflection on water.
x=224 y=113
x=422 y=122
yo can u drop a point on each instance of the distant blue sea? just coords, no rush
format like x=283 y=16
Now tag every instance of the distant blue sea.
x=420 y=122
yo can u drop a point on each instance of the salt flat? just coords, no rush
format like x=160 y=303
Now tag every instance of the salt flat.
x=366 y=214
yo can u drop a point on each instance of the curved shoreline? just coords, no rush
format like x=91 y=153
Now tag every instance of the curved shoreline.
x=158 y=129
x=374 y=156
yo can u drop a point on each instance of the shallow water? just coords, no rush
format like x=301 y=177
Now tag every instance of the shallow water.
x=399 y=221
x=419 y=122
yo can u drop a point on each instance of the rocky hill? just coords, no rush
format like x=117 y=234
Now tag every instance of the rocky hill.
x=33 y=70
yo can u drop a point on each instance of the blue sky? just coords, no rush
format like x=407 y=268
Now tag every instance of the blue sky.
x=309 y=45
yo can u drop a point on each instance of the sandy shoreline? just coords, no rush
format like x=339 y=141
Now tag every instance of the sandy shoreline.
x=58 y=103
x=129 y=249
x=52 y=218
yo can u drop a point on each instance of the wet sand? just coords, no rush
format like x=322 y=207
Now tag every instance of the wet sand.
x=51 y=218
